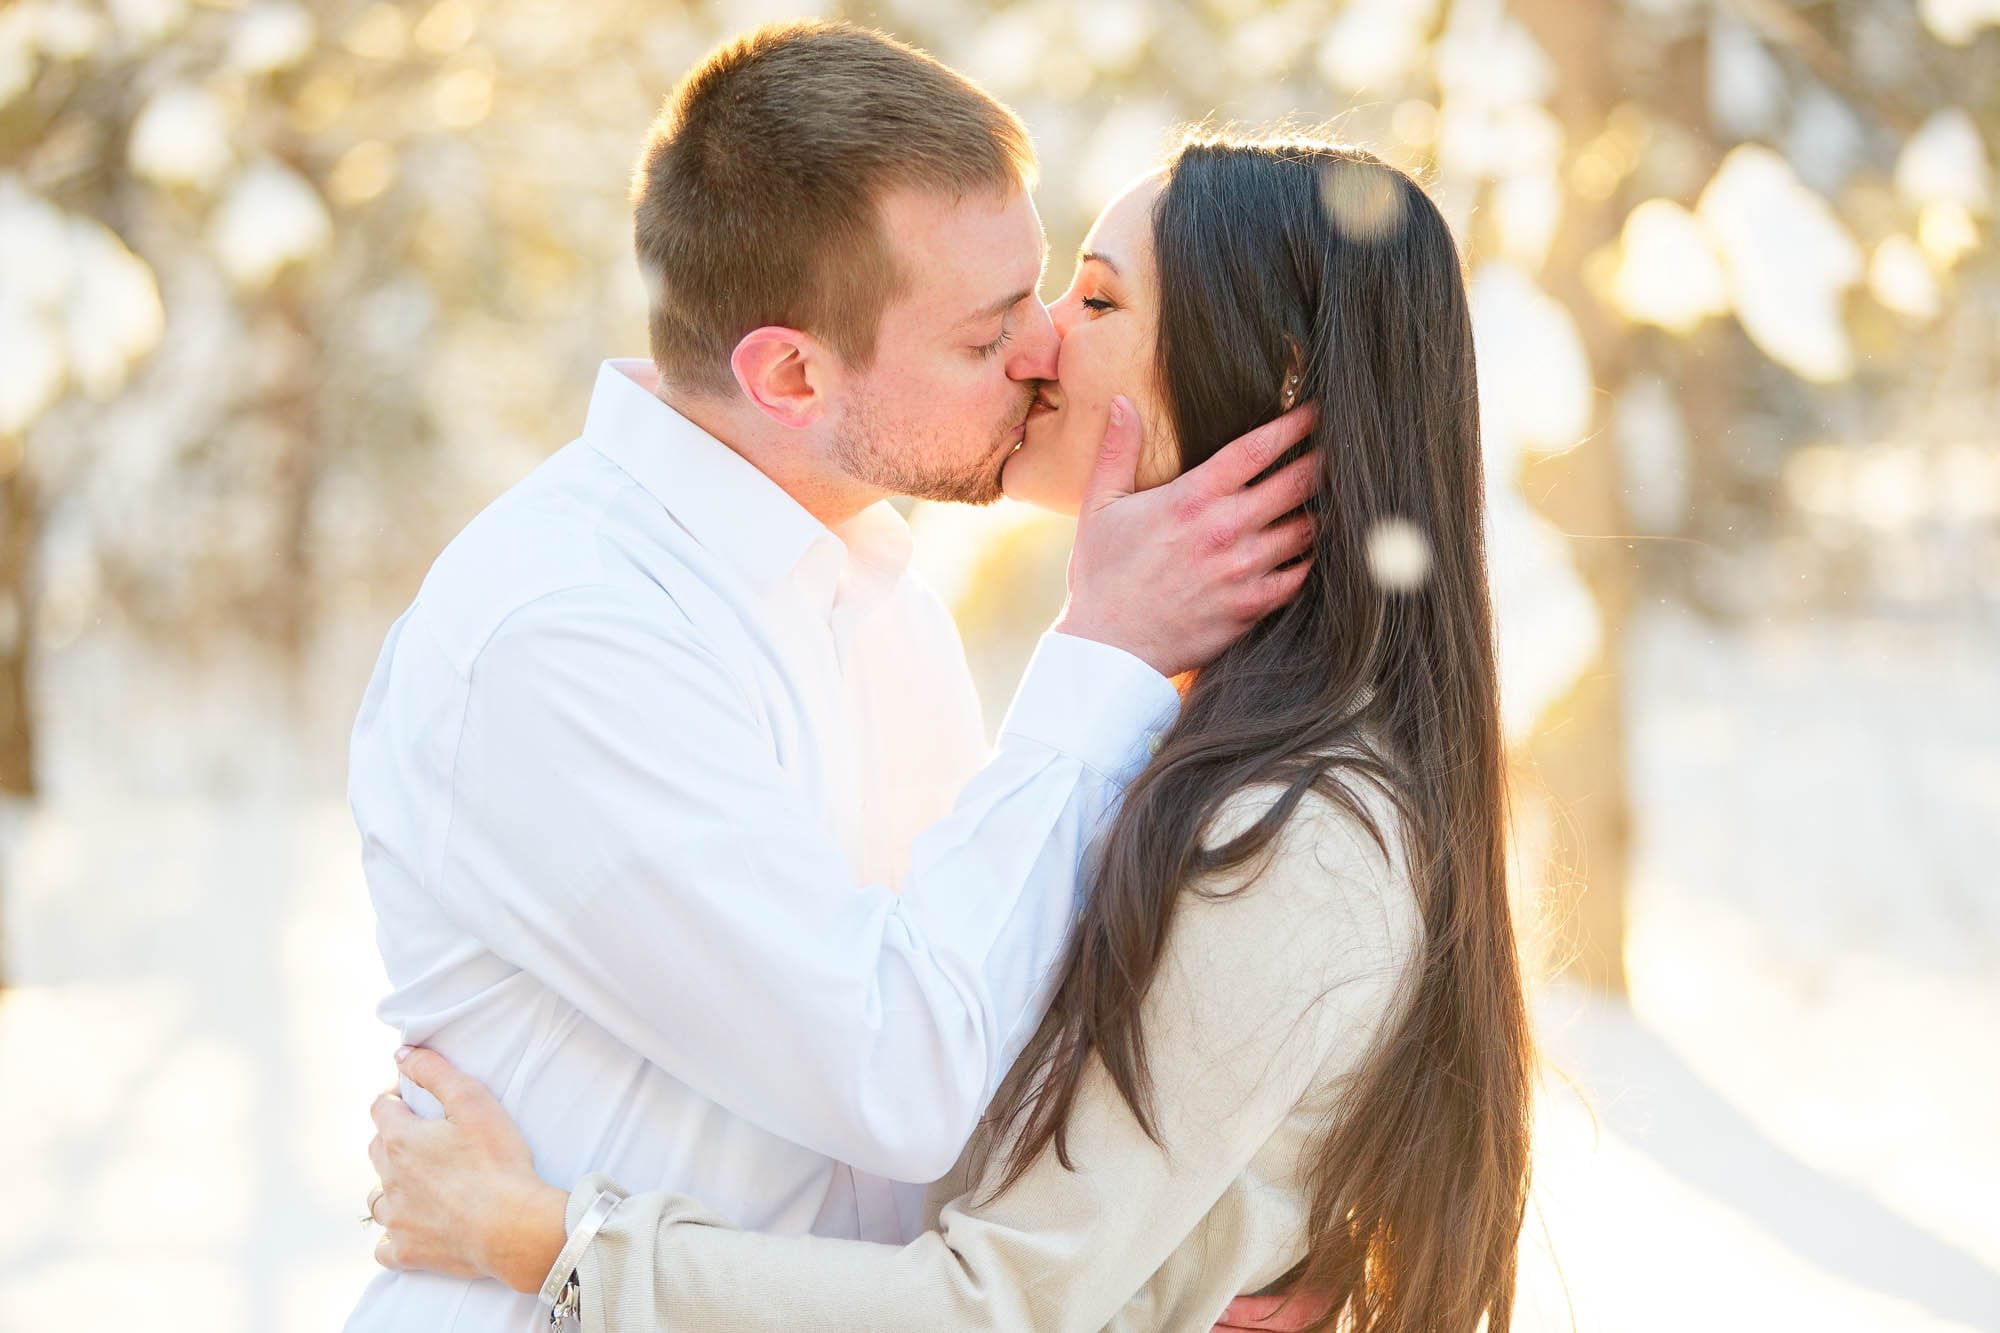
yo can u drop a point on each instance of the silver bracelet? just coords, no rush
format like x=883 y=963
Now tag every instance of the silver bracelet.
x=559 y=1304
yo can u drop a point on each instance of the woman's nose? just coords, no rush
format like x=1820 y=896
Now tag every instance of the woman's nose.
x=1062 y=315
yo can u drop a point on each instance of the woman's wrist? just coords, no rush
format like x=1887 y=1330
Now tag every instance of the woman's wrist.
x=526 y=1236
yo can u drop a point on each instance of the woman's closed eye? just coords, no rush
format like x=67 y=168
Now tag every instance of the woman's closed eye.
x=1096 y=303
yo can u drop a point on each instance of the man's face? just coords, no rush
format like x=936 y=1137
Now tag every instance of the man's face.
x=959 y=354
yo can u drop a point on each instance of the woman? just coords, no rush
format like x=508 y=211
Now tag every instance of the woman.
x=1288 y=1051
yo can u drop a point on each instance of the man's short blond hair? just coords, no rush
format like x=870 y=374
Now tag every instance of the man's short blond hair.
x=757 y=199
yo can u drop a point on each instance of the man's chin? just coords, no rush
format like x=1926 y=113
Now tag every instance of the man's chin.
x=970 y=489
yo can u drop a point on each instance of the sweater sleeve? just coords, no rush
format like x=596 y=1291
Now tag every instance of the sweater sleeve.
x=1264 y=994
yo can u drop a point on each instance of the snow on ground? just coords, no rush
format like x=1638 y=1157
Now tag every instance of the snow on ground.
x=1791 y=1125
x=1795 y=1119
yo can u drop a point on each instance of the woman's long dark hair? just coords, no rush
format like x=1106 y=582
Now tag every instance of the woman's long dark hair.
x=1282 y=256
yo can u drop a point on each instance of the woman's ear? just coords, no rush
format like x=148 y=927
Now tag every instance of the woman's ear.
x=781 y=371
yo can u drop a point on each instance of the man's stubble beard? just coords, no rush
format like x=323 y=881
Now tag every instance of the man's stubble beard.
x=858 y=447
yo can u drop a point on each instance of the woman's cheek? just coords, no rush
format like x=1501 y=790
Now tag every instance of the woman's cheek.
x=1159 y=459
x=1047 y=472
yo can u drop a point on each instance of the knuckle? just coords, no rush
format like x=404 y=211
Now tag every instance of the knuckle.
x=1214 y=539
x=1295 y=483
x=1265 y=446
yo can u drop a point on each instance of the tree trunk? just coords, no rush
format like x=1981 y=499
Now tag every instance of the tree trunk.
x=1581 y=761
x=18 y=524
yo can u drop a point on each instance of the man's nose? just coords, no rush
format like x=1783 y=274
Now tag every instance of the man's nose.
x=1036 y=348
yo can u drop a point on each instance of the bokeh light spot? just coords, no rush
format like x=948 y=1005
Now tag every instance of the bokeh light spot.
x=1399 y=556
x=1361 y=200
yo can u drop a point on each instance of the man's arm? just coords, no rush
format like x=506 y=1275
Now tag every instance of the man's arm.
x=621 y=829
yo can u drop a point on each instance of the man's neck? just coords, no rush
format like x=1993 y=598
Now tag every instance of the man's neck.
x=827 y=494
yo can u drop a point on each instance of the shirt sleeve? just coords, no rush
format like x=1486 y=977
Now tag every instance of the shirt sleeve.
x=621 y=829
x=1263 y=996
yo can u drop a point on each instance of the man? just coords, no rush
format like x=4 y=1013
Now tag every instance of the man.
x=656 y=776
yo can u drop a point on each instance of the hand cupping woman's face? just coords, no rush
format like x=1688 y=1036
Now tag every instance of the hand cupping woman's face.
x=1109 y=321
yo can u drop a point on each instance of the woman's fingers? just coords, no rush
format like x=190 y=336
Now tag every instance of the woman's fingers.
x=455 y=1090
x=389 y=1111
x=450 y=1184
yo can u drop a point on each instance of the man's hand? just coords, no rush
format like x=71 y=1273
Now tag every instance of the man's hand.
x=459 y=1194
x=1176 y=574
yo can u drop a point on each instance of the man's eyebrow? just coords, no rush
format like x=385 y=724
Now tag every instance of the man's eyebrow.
x=1094 y=257
x=999 y=307
x=1008 y=302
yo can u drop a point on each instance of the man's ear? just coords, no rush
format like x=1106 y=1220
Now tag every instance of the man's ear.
x=783 y=374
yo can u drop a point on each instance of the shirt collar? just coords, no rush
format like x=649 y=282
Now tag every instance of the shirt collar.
x=736 y=512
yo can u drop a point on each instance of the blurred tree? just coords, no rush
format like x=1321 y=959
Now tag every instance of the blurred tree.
x=288 y=290
x=1626 y=177
x=1581 y=763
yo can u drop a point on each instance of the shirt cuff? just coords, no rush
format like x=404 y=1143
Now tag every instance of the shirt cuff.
x=1097 y=704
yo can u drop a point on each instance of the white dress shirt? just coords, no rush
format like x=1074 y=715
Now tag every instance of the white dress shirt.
x=655 y=781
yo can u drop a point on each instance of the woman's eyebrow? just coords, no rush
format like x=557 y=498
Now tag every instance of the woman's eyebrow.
x=1095 y=257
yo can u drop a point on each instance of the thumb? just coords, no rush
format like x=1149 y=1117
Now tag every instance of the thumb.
x=1116 y=474
x=455 y=1090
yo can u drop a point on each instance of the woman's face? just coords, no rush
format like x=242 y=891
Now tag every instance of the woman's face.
x=1109 y=322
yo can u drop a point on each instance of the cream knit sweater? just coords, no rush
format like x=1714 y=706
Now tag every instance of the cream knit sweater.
x=1266 y=1004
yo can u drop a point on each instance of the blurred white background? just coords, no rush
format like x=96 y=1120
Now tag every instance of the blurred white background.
x=288 y=291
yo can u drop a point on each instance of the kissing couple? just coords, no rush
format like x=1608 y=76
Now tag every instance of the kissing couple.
x=742 y=987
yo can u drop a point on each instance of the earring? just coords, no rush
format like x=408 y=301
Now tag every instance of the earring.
x=1291 y=395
